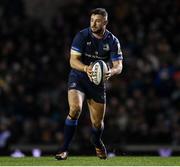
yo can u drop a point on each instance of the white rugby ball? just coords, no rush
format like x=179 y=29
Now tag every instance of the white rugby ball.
x=99 y=69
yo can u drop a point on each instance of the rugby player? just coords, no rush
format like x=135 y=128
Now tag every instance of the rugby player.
x=90 y=44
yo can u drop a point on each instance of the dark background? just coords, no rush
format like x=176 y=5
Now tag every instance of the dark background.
x=143 y=103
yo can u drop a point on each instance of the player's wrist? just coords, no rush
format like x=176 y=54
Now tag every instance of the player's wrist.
x=85 y=68
x=112 y=72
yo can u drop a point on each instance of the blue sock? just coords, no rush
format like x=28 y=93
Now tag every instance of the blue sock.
x=69 y=129
x=96 y=136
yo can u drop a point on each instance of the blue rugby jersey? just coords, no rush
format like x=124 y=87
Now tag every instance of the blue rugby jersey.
x=92 y=49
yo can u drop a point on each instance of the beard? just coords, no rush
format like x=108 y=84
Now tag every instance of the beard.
x=97 y=31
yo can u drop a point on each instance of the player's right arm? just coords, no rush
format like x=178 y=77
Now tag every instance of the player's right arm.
x=76 y=53
x=75 y=61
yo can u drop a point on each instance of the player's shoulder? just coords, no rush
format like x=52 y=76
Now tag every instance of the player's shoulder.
x=84 y=32
x=111 y=36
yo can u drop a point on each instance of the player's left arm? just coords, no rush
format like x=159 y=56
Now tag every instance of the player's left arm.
x=117 y=67
x=116 y=58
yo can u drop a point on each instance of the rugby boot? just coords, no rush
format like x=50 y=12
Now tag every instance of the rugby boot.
x=101 y=152
x=62 y=155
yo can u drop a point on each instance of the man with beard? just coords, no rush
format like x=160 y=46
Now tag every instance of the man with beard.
x=90 y=44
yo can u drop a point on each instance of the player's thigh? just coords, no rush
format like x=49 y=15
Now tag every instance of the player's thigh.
x=75 y=99
x=97 y=112
x=97 y=93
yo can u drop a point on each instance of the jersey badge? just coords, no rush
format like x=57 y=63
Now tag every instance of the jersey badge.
x=88 y=43
x=106 y=47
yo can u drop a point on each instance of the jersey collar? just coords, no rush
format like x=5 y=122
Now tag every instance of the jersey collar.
x=104 y=36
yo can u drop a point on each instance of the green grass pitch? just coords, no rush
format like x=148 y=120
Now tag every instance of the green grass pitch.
x=92 y=161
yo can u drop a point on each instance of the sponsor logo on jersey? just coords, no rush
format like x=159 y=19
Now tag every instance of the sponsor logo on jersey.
x=96 y=56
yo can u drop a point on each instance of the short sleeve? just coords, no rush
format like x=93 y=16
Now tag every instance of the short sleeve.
x=78 y=42
x=116 y=53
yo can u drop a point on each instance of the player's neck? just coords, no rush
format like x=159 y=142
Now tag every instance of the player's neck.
x=99 y=35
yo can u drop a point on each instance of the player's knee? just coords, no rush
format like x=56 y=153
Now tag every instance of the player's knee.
x=97 y=124
x=75 y=108
x=75 y=111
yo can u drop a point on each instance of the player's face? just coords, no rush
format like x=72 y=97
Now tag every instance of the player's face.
x=98 y=23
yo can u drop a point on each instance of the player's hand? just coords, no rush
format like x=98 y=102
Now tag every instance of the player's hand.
x=88 y=70
x=108 y=74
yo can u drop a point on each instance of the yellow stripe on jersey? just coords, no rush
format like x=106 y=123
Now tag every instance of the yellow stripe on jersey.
x=119 y=49
x=74 y=52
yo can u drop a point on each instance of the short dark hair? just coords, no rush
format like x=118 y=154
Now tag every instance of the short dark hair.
x=100 y=11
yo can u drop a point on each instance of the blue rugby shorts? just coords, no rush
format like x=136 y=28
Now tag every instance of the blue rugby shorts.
x=80 y=81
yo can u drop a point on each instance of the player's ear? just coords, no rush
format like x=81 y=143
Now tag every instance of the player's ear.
x=105 y=22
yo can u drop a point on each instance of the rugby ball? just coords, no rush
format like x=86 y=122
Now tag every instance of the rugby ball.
x=99 y=69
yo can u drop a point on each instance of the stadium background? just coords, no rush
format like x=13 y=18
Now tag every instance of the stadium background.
x=143 y=102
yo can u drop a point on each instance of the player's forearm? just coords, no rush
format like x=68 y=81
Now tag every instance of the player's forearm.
x=78 y=65
x=117 y=67
x=116 y=70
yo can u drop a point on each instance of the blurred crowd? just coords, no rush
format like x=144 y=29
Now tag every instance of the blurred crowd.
x=143 y=103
